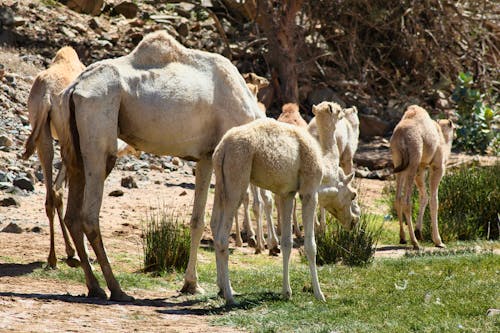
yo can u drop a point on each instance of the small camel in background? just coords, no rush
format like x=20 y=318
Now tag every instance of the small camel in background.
x=284 y=159
x=290 y=115
x=418 y=143
x=46 y=122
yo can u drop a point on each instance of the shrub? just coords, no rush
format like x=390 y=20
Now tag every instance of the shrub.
x=469 y=203
x=354 y=248
x=477 y=131
x=166 y=243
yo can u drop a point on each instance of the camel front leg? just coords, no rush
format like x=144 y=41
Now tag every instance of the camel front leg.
x=203 y=176
x=309 y=202
x=247 y=222
x=434 y=179
x=286 y=209
x=272 y=238
x=423 y=200
x=257 y=212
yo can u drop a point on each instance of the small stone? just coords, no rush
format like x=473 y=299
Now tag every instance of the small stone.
x=5 y=141
x=129 y=182
x=183 y=193
x=176 y=161
x=12 y=228
x=36 y=229
x=116 y=193
x=9 y=201
x=127 y=9
x=24 y=183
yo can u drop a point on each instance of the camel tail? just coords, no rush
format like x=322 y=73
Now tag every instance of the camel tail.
x=405 y=160
x=70 y=138
x=38 y=109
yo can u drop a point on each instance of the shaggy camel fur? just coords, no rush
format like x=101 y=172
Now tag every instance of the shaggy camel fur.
x=46 y=122
x=346 y=138
x=290 y=114
x=417 y=143
x=261 y=198
x=162 y=98
x=284 y=159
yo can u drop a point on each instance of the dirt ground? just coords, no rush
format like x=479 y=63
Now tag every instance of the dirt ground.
x=32 y=304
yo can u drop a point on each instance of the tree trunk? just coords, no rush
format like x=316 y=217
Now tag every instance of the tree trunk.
x=277 y=21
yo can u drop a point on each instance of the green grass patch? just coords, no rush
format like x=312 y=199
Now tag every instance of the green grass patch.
x=422 y=294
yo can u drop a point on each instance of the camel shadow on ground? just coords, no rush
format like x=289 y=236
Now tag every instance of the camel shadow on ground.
x=200 y=307
x=19 y=269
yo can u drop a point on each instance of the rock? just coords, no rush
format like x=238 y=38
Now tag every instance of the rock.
x=6 y=141
x=127 y=9
x=183 y=29
x=24 y=183
x=183 y=193
x=92 y=7
x=176 y=161
x=128 y=182
x=370 y=126
x=36 y=229
x=9 y=201
x=6 y=17
x=381 y=174
x=12 y=228
x=116 y=193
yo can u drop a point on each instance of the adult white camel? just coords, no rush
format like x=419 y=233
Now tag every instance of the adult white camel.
x=46 y=122
x=162 y=98
x=418 y=143
x=284 y=159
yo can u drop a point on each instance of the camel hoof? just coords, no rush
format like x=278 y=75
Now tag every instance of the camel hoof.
x=275 y=251
x=402 y=241
x=418 y=235
x=50 y=266
x=441 y=246
x=252 y=242
x=416 y=247
x=258 y=251
x=97 y=293
x=191 y=288
x=239 y=244
x=72 y=262
x=120 y=296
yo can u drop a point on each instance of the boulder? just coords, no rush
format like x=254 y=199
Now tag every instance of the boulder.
x=24 y=183
x=371 y=125
x=127 y=9
x=13 y=228
x=9 y=201
x=92 y=7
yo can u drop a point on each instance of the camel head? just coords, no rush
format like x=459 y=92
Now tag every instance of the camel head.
x=340 y=200
x=351 y=114
x=258 y=81
x=448 y=130
x=328 y=111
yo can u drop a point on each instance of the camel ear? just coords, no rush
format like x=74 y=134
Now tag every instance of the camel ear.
x=341 y=114
x=314 y=109
x=349 y=178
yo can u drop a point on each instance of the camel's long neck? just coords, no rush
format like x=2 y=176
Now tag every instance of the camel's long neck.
x=330 y=151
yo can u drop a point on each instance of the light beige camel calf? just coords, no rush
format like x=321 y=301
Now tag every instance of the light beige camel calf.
x=162 y=98
x=284 y=159
x=46 y=121
x=418 y=143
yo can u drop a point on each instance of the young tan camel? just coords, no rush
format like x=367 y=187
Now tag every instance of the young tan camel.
x=284 y=159
x=46 y=121
x=262 y=199
x=162 y=98
x=347 y=138
x=418 y=143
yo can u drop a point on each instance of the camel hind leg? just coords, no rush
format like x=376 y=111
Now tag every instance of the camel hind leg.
x=286 y=208
x=407 y=204
x=423 y=200
x=436 y=173
x=398 y=205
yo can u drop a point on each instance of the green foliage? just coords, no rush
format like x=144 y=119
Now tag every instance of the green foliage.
x=476 y=131
x=354 y=247
x=166 y=243
x=469 y=204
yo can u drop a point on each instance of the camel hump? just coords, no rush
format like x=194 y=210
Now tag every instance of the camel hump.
x=158 y=49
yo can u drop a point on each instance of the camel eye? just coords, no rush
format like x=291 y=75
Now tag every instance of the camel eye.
x=354 y=195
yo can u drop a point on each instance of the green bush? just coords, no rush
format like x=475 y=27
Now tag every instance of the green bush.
x=353 y=248
x=477 y=130
x=469 y=204
x=166 y=243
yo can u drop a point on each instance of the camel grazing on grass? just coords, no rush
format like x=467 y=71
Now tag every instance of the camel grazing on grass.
x=46 y=122
x=346 y=139
x=284 y=159
x=418 y=143
x=162 y=98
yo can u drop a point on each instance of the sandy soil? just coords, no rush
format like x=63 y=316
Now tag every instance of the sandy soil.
x=32 y=304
